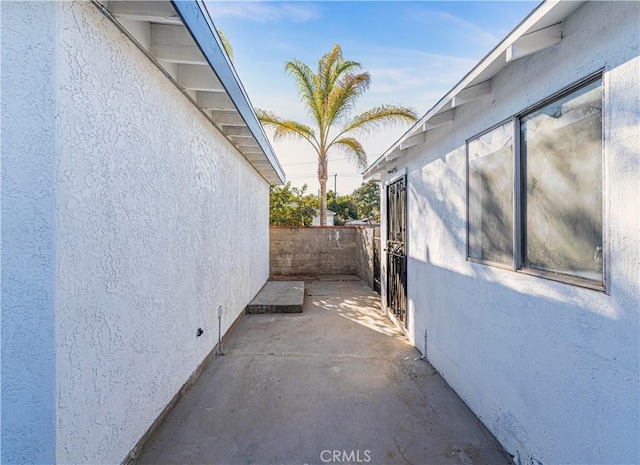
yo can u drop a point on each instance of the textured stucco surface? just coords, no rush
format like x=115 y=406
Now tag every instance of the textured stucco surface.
x=137 y=215
x=159 y=221
x=28 y=225
x=550 y=368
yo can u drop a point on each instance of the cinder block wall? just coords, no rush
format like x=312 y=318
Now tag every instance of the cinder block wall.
x=364 y=239
x=330 y=250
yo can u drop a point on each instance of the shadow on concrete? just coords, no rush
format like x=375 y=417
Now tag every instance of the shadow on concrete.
x=334 y=384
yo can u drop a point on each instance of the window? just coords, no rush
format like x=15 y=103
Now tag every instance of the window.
x=562 y=152
x=490 y=198
x=549 y=222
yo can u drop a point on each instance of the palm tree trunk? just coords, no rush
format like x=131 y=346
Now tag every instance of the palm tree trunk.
x=323 y=202
x=322 y=179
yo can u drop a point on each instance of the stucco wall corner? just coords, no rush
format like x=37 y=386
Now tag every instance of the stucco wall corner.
x=159 y=220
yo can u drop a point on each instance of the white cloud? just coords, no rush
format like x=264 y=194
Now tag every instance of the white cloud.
x=456 y=24
x=264 y=12
x=469 y=27
x=426 y=71
x=413 y=78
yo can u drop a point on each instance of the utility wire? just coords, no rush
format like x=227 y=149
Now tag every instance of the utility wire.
x=310 y=162
x=315 y=174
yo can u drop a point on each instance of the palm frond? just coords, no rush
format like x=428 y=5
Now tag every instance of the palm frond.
x=353 y=150
x=286 y=129
x=226 y=44
x=346 y=67
x=379 y=117
x=307 y=86
x=342 y=98
x=335 y=69
x=337 y=88
x=326 y=68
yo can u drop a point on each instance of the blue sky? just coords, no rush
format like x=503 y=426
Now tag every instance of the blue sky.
x=415 y=52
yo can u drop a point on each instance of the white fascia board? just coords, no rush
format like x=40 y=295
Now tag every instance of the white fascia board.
x=546 y=14
x=195 y=17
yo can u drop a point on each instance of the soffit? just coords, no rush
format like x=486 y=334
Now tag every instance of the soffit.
x=181 y=39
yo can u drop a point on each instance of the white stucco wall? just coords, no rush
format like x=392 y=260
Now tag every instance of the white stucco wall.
x=159 y=221
x=550 y=368
x=27 y=117
x=154 y=220
x=330 y=219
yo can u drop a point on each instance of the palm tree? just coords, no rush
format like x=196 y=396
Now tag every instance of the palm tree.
x=330 y=96
x=226 y=44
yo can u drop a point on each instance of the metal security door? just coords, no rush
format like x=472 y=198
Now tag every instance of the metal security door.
x=397 y=248
x=377 y=285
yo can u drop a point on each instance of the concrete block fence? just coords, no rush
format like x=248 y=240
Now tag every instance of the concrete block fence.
x=329 y=250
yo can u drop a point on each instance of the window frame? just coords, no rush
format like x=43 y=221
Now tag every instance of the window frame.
x=519 y=170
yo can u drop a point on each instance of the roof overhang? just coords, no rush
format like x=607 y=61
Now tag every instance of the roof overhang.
x=180 y=38
x=542 y=28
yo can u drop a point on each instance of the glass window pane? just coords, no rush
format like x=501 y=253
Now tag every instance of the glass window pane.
x=562 y=153
x=491 y=196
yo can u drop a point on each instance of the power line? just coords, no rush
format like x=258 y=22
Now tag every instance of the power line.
x=315 y=175
x=310 y=162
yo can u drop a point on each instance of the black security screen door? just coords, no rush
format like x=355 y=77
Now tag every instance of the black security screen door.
x=397 y=248
x=377 y=256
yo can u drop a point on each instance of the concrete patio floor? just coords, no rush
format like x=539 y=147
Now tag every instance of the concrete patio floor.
x=334 y=384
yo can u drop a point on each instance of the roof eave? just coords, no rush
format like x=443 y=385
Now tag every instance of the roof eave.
x=196 y=19
x=480 y=75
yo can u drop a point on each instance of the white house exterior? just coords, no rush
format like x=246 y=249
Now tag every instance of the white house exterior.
x=135 y=190
x=522 y=235
x=330 y=219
